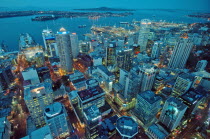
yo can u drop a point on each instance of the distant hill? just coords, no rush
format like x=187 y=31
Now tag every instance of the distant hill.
x=105 y=9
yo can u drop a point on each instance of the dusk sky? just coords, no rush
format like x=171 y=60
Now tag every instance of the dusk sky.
x=140 y=4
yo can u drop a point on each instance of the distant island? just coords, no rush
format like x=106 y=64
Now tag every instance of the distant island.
x=52 y=15
x=105 y=9
x=201 y=15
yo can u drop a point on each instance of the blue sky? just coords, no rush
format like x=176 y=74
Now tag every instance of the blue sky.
x=137 y=4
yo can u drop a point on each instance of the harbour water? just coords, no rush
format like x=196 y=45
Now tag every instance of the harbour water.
x=11 y=28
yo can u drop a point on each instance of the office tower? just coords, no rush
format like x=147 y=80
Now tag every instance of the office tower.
x=74 y=45
x=156 y=49
x=65 y=51
x=111 y=55
x=126 y=127
x=192 y=99
x=124 y=59
x=201 y=65
x=132 y=86
x=183 y=83
x=123 y=74
x=85 y=47
x=147 y=106
x=37 y=97
x=172 y=113
x=6 y=77
x=92 y=118
x=5 y=128
x=49 y=42
x=144 y=34
x=91 y=96
x=156 y=131
x=56 y=117
x=181 y=52
x=147 y=75
x=41 y=133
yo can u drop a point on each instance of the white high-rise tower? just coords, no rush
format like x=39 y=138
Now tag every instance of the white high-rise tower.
x=143 y=34
x=65 y=51
x=181 y=52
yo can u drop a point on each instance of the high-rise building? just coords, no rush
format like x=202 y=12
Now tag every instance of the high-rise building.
x=172 y=113
x=5 y=128
x=37 y=97
x=201 y=65
x=111 y=55
x=91 y=96
x=6 y=77
x=49 y=41
x=183 y=83
x=147 y=106
x=156 y=49
x=56 y=117
x=124 y=59
x=92 y=118
x=41 y=133
x=126 y=127
x=74 y=45
x=181 y=52
x=147 y=74
x=65 y=51
x=144 y=34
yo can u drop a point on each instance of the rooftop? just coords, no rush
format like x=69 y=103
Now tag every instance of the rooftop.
x=175 y=102
x=91 y=92
x=150 y=96
x=53 y=109
x=157 y=131
x=126 y=126
x=187 y=76
x=92 y=113
x=37 y=90
x=191 y=97
x=105 y=70
x=41 y=133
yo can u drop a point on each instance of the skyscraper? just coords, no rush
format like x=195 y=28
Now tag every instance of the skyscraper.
x=49 y=39
x=65 y=51
x=156 y=49
x=147 y=74
x=110 y=55
x=55 y=116
x=183 y=83
x=201 y=65
x=181 y=52
x=144 y=34
x=74 y=45
x=92 y=118
x=147 y=106
x=172 y=113
x=6 y=77
x=37 y=97
x=124 y=59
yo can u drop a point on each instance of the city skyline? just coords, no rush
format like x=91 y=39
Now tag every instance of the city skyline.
x=104 y=73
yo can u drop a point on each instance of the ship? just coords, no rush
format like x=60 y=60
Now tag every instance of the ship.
x=81 y=26
x=124 y=23
x=44 y=18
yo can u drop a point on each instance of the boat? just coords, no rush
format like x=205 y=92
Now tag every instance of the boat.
x=81 y=26
x=44 y=18
x=124 y=23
